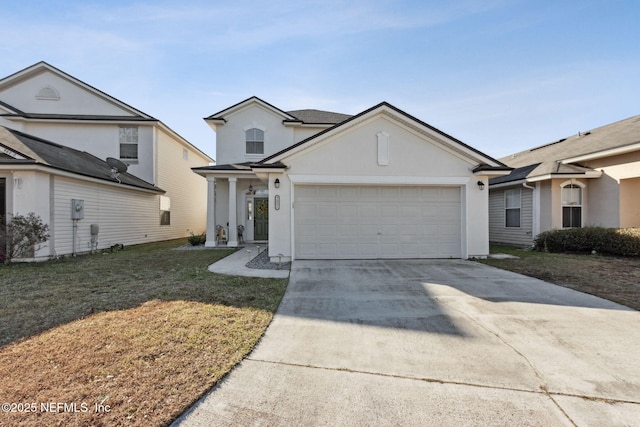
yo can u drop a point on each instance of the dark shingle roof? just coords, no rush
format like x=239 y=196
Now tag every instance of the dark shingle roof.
x=41 y=151
x=318 y=116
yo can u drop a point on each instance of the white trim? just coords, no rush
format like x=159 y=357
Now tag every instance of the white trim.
x=604 y=153
x=383 y=148
x=53 y=171
x=582 y=202
x=506 y=207
x=572 y=182
x=379 y=180
x=507 y=184
x=587 y=174
x=413 y=126
x=535 y=226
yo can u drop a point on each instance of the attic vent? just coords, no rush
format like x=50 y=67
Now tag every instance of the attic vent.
x=548 y=145
x=49 y=93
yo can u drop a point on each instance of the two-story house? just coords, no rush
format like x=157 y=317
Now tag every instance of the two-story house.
x=317 y=184
x=58 y=133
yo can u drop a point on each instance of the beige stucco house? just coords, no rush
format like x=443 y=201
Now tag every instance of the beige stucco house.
x=158 y=198
x=322 y=185
x=592 y=178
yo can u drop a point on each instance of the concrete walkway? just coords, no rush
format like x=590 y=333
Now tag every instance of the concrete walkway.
x=446 y=343
x=235 y=264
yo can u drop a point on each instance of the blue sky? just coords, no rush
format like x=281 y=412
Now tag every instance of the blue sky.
x=500 y=75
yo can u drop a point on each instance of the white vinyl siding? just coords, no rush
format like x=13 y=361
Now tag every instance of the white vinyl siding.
x=498 y=231
x=186 y=190
x=124 y=216
x=360 y=222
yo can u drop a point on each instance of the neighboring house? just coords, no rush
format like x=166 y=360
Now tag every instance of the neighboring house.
x=43 y=177
x=47 y=103
x=321 y=185
x=592 y=178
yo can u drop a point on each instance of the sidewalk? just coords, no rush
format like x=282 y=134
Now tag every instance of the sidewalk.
x=235 y=264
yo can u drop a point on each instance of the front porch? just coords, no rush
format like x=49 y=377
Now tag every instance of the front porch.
x=237 y=206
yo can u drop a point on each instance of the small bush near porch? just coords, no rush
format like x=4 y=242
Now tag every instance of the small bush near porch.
x=132 y=338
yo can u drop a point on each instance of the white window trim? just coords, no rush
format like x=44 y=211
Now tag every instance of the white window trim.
x=582 y=204
x=244 y=138
x=137 y=144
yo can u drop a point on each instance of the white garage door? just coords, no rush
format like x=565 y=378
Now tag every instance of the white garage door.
x=367 y=222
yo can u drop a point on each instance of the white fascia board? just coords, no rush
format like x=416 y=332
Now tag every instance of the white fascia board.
x=147 y=122
x=378 y=180
x=492 y=173
x=507 y=184
x=224 y=173
x=246 y=104
x=605 y=153
x=53 y=171
x=588 y=174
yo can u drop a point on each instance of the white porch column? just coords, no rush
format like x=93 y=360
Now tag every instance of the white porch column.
x=211 y=212
x=233 y=220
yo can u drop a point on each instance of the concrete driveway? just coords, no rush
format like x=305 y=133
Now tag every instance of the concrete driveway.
x=414 y=342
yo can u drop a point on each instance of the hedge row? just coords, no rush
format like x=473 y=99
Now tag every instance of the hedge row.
x=605 y=241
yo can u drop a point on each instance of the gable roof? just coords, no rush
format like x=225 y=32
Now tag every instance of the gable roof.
x=564 y=156
x=136 y=115
x=309 y=116
x=486 y=162
x=43 y=66
x=23 y=149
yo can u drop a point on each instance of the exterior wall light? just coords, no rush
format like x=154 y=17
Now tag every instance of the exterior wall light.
x=276 y=183
x=481 y=185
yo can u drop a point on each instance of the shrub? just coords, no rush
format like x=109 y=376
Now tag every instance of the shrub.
x=23 y=234
x=197 y=239
x=606 y=241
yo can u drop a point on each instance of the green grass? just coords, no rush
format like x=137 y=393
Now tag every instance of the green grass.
x=146 y=330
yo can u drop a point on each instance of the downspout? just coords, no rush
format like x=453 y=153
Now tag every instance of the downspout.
x=536 y=210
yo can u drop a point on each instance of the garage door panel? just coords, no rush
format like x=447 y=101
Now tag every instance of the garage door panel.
x=334 y=222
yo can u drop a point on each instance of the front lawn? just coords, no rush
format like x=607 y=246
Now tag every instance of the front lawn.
x=612 y=278
x=132 y=338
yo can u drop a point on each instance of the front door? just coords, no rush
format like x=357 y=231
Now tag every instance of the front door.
x=261 y=219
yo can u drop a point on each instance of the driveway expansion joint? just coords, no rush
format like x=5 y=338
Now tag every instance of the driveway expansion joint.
x=380 y=374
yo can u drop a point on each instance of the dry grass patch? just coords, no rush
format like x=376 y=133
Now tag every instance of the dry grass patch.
x=152 y=349
x=612 y=278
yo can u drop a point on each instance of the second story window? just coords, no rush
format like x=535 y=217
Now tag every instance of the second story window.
x=129 y=143
x=255 y=141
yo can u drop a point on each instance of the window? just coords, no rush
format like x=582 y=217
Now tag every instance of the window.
x=571 y=206
x=512 y=207
x=165 y=210
x=185 y=154
x=255 y=141
x=129 y=143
